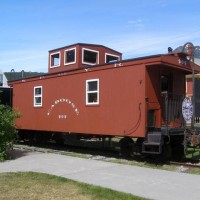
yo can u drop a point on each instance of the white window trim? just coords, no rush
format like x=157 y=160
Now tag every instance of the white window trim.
x=95 y=91
x=69 y=63
x=51 y=59
x=87 y=63
x=109 y=54
x=37 y=95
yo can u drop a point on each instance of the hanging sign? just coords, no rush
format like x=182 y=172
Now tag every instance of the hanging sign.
x=187 y=109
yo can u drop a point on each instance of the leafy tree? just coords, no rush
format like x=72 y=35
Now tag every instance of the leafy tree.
x=8 y=132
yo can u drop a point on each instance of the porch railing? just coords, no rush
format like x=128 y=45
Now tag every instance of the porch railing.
x=172 y=107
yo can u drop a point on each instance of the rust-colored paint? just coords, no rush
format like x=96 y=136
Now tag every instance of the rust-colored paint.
x=189 y=87
x=121 y=109
x=127 y=91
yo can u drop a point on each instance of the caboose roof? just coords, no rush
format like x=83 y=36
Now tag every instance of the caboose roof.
x=85 y=44
x=165 y=59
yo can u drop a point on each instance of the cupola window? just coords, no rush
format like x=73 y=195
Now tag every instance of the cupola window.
x=111 y=58
x=70 y=56
x=55 y=59
x=90 y=57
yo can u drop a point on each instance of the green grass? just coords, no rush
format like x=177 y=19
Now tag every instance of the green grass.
x=193 y=153
x=37 y=186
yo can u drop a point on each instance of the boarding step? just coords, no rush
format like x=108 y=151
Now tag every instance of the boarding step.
x=154 y=137
x=153 y=144
x=151 y=148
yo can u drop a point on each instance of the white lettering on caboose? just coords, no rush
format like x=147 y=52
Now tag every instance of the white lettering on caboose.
x=66 y=101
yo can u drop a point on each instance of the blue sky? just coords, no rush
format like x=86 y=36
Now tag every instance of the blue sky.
x=29 y=29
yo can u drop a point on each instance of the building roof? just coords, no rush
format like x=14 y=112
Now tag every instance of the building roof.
x=13 y=76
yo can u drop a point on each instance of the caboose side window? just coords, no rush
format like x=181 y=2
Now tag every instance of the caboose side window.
x=70 y=56
x=92 y=92
x=90 y=57
x=55 y=59
x=38 y=96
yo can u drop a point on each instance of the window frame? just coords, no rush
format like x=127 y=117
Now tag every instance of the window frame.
x=65 y=58
x=58 y=65
x=94 y=91
x=88 y=63
x=37 y=95
x=109 y=54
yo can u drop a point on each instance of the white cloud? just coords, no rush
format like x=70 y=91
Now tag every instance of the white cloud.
x=139 y=23
x=163 y=3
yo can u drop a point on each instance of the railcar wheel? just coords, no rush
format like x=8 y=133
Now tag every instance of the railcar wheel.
x=126 y=146
x=179 y=147
x=179 y=152
x=42 y=137
x=137 y=148
x=59 y=141
x=166 y=152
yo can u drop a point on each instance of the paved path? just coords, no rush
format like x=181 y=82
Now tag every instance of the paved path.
x=144 y=182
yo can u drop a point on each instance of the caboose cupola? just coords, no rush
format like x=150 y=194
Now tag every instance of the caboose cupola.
x=79 y=55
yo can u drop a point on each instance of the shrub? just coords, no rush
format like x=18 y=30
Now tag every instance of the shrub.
x=8 y=132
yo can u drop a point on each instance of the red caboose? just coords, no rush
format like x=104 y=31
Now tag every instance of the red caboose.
x=90 y=91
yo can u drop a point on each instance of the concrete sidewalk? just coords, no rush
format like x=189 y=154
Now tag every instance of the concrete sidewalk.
x=144 y=182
